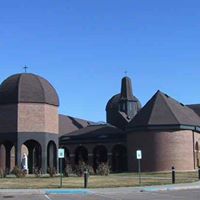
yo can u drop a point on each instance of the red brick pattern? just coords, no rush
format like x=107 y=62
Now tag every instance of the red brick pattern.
x=162 y=149
x=33 y=117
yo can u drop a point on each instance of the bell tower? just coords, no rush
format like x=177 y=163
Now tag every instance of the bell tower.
x=122 y=108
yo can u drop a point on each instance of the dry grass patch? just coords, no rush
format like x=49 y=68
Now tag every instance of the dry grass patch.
x=113 y=180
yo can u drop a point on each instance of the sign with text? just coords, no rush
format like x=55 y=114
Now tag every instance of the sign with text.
x=61 y=153
x=139 y=154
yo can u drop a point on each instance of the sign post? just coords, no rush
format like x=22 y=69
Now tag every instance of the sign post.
x=139 y=157
x=61 y=155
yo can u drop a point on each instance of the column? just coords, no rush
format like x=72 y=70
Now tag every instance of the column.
x=44 y=159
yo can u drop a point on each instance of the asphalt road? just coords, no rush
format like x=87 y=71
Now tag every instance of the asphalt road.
x=192 y=194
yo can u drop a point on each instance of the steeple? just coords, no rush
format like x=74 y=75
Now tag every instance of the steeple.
x=122 y=107
x=126 y=89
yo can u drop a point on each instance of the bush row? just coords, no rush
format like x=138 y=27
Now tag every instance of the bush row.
x=102 y=169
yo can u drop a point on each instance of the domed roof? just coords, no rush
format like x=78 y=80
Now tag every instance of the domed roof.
x=27 y=88
x=125 y=95
x=122 y=107
x=115 y=100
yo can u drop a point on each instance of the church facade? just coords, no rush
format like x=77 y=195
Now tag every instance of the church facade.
x=166 y=131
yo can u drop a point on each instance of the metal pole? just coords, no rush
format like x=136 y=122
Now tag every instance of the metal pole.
x=139 y=171
x=173 y=175
x=60 y=172
x=85 y=178
x=199 y=172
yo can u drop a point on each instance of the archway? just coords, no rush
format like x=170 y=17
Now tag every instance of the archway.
x=34 y=155
x=119 y=158
x=51 y=155
x=99 y=156
x=81 y=155
x=7 y=146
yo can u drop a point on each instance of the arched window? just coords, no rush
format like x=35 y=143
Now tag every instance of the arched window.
x=99 y=156
x=81 y=155
x=119 y=158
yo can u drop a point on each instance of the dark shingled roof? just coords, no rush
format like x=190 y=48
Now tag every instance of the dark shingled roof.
x=101 y=131
x=27 y=88
x=164 y=110
x=114 y=102
x=68 y=124
x=126 y=94
x=195 y=108
x=126 y=89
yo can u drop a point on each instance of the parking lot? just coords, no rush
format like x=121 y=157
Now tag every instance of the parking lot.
x=121 y=194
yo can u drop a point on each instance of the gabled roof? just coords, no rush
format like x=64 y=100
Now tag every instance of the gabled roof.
x=94 y=132
x=164 y=110
x=68 y=124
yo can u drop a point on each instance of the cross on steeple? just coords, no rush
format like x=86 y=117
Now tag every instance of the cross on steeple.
x=125 y=72
x=25 y=68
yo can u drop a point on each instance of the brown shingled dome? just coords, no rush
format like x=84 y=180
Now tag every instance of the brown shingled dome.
x=27 y=88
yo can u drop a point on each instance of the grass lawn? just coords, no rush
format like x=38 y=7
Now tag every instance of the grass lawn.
x=113 y=180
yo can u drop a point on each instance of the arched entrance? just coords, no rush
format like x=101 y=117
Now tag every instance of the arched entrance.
x=81 y=155
x=51 y=155
x=119 y=158
x=34 y=155
x=99 y=156
x=5 y=156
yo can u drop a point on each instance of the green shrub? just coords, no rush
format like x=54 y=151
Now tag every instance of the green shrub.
x=90 y=170
x=81 y=167
x=37 y=172
x=18 y=172
x=2 y=173
x=103 y=169
x=68 y=170
x=51 y=171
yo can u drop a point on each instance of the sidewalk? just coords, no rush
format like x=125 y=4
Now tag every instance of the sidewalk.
x=183 y=186
x=121 y=190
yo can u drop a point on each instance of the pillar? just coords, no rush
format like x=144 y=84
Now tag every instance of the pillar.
x=44 y=159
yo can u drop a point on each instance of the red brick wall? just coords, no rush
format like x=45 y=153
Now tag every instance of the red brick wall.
x=162 y=150
x=34 y=117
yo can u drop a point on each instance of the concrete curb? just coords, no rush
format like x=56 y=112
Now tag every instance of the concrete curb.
x=186 y=186
x=22 y=191
x=170 y=188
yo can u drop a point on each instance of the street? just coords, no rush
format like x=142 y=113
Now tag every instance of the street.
x=193 y=194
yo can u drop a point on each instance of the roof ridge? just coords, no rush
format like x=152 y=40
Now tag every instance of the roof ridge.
x=18 y=89
x=152 y=107
x=170 y=109
x=41 y=86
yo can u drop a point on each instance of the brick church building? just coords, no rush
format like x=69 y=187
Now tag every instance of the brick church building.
x=165 y=130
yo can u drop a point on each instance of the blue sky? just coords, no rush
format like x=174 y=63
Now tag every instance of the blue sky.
x=84 y=47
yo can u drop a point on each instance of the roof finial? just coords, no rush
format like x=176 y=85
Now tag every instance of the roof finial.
x=25 y=68
x=125 y=72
